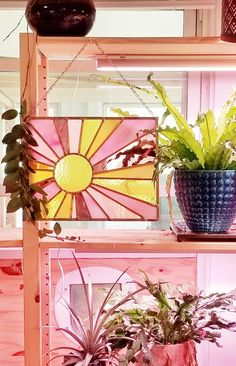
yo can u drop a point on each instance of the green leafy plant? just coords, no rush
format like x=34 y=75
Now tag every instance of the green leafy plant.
x=208 y=144
x=98 y=345
x=169 y=315
x=17 y=169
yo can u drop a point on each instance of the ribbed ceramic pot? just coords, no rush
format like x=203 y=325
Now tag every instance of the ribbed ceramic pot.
x=228 y=21
x=207 y=199
x=60 y=17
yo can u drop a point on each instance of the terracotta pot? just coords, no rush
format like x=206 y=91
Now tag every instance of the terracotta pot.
x=228 y=21
x=182 y=354
x=60 y=17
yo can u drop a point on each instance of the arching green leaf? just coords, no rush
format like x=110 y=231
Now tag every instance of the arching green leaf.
x=229 y=132
x=214 y=157
x=173 y=111
x=185 y=138
x=206 y=123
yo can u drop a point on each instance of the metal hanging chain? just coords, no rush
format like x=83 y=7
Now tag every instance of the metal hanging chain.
x=62 y=73
x=131 y=87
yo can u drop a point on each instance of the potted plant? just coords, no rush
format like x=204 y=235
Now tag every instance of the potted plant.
x=203 y=157
x=169 y=321
x=95 y=343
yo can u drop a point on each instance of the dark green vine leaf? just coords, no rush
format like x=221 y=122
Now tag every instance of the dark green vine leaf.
x=9 y=138
x=42 y=234
x=15 y=194
x=15 y=146
x=19 y=131
x=10 y=156
x=47 y=231
x=31 y=140
x=12 y=188
x=23 y=108
x=26 y=128
x=10 y=114
x=11 y=179
x=57 y=228
x=43 y=208
x=12 y=166
x=14 y=204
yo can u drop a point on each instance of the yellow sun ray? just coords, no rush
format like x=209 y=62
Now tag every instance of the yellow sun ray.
x=133 y=172
x=54 y=204
x=106 y=129
x=40 y=175
x=140 y=189
x=89 y=130
x=65 y=209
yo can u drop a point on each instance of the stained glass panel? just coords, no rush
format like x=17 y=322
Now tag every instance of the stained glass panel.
x=77 y=163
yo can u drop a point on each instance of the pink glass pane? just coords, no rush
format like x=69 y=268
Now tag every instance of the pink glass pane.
x=74 y=127
x=44 y=149
x=62 y=130
x=48 y=132
x=51 y=189
x=95 y=210
x=112 y=208
x=145 y=210
x=82 y=212
x=41 y=159
x=122 y=136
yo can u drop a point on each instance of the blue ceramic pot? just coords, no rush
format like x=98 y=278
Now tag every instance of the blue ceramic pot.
x=207 y=199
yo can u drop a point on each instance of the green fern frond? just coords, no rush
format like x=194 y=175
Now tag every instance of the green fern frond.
x=185 y=138
x=173 y=111
x=206 y=123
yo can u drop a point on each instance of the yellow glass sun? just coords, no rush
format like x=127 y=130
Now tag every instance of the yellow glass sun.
x=73 y=173
x=72 y=163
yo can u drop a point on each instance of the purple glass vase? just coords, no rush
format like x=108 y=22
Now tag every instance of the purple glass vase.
x=61 y=17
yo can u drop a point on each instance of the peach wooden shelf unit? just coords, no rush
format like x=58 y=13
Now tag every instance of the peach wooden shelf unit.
x=36 y=254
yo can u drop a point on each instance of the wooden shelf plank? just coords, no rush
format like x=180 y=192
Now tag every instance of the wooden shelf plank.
x=136 y=241
x=10 y=237
x=128 y=241
x=66 y=47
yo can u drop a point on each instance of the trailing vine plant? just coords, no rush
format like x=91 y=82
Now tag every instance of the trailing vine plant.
x=23 y=195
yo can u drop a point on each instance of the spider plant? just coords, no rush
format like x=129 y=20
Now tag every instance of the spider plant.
x=95 y=343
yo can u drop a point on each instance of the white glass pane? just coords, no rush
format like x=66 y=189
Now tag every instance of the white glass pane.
x=138 y=23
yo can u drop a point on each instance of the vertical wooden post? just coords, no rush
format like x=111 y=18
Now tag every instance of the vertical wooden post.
x=29 y=71
x=45 y=261
x=42 y=86
x=32 y=335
